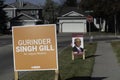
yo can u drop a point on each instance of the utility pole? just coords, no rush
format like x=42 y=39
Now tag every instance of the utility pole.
x=115 y=25
x=89 y=19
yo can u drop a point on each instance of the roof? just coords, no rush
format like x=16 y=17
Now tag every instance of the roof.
x=66 y=9
x=23 y=16
x=71 y=18
x=25 y=5
x=8 y=6
x=72 y=14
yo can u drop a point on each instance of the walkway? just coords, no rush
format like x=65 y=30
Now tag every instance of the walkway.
x=106 y=66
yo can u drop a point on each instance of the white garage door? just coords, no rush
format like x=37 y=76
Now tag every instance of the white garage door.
x=73 y=27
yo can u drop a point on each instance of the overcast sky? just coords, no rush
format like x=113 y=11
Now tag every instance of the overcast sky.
x=32 y=1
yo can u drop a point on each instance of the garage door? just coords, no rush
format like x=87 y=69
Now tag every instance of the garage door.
x=73 y=27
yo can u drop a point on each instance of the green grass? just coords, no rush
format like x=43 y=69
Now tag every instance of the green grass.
x=67 y=67
x=116 y=48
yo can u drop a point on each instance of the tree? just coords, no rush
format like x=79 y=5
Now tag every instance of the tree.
x=62 y=2
x=71 y=3
x=50 y=10
x=3 y=18
x=105 y=9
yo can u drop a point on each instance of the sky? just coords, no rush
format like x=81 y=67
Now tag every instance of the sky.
x=32 y=1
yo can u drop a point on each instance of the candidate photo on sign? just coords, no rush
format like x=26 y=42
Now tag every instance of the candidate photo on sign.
x=77 y=46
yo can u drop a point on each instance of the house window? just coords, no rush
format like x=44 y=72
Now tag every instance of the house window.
x=10 y=13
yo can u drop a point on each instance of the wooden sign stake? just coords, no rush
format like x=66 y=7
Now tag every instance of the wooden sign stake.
x=72 y=56
x=83 y=56
x=56 y=74
x=16 y=75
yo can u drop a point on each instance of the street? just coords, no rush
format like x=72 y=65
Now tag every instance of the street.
x=5 y=40
x=6 y=60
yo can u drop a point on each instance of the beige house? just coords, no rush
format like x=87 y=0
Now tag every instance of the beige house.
x=72 y=22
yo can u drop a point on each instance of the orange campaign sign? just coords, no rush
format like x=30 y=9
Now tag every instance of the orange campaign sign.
x=35 y=47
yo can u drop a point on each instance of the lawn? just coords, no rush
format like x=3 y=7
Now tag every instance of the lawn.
x=116 y=48
x=68 y=68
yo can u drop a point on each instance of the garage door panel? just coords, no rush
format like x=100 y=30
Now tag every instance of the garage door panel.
x=73 y=27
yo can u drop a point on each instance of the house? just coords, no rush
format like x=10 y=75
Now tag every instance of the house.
x=72 y=21
x=23 y=13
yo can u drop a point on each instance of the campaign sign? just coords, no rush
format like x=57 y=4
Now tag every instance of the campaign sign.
x=35 y=47
x=77 y=36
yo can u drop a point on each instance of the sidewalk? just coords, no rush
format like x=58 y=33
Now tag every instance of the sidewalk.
x=106 y=66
